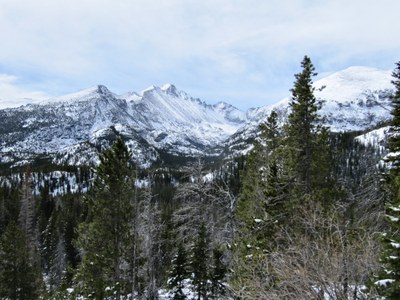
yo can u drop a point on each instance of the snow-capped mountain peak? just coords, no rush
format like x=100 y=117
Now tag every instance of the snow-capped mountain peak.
x=71 y=128
x=162 y=118
x=348 y=84
x=82 y=95
x=355 y=98
x=170 y=89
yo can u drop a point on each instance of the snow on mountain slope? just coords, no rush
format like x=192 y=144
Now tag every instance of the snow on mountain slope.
x=171 y=117
x=73 y=128
x=375 y=137
x=355 y=98
x=347 y=85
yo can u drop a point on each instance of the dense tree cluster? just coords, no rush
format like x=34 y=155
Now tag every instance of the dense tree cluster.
x=303 y=230
x=389 y=281
x=297 y=218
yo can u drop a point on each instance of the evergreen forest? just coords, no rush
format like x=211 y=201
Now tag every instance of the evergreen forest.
x=306 y=214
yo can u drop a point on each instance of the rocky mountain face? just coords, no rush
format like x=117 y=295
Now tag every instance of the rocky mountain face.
x=164 y=122
x=72 y=128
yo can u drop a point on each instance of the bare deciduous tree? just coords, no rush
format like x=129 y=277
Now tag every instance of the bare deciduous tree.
x=324 y=257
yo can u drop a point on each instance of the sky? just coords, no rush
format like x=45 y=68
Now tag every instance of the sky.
x=244 y=52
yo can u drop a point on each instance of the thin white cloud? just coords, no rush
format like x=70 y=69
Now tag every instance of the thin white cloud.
x=208 y=44
x=11 y=95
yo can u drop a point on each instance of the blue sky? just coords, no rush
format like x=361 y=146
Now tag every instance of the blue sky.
x=242 y=52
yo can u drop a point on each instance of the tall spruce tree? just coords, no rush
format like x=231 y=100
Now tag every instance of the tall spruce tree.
x=261 y=200
x=27 y=215
x=284 y=169
x=151 y=227
x=9 y=204
x=305 y=139
x=199 y=263
x=20 y=276
x=389 y=279
x=261 y=204
x=104 y=238
x=179 y=274
x=273 y=170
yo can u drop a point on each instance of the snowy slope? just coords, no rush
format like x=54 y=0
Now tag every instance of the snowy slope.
x=353 y=99
x=347 y=85
x=376 y=138
x=72 y=129
x=170 y=118
x=356 y=98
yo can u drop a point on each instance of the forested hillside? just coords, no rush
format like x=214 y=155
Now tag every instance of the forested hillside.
x=300 y=216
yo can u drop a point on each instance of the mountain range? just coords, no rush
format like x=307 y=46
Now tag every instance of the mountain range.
x=164 y=122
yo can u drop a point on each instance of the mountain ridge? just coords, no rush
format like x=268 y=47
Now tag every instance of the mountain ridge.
x=71 y=129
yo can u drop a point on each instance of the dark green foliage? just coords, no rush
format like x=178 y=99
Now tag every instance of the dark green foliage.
x=300 y=130
x=250 y=207
x=59 y=255
x=262 y=199
x=199 y=263
x=285 y=172
x=104 y=238
x=389 y=279
x=274 y=178
x=179 y=273
x=163 y=192
x=71 y=210
x=394 y=142
x=217 y=274
x=275 y=218
x=262 y=204
x=251 y=199
x=306 y=142
x=46 y=207
x=20 y=276
x=9 y=205
x=167 y=247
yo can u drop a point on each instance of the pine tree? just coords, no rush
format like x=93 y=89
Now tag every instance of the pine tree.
x=200 y=263
x=27 y=214
x=251 y=201
x=307 y=153
x=71 y=212
x=104 y=238
x=217 y=274
x=179 y=274
x=394 y=141
x=20 y=276
x=261 y=199
x=150 y=230
x=389 y=279
x=9 y=204
x=274 y=178
x=261 y=204
x=284 y=170
x=301 y=124
x=54 y=250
